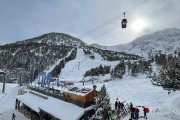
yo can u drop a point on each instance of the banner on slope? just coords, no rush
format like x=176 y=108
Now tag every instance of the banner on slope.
x=49 y=76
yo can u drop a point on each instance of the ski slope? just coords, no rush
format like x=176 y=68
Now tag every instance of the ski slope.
x=141 y=92
x=74 y=70
x=56 y=63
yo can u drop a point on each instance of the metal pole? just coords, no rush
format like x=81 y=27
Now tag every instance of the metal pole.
x=20 y=84
x=3 y=89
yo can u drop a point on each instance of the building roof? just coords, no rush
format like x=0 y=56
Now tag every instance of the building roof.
x=55 y=107
x=62 y=110
x=31 y=100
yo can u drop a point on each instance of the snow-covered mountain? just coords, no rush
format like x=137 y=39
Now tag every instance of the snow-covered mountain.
x=52 y=50
x=55 y=39
x=165 y=41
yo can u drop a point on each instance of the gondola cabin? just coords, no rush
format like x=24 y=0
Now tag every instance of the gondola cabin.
x=124 y=22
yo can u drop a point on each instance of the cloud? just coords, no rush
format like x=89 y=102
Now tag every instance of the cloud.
x=23 y=19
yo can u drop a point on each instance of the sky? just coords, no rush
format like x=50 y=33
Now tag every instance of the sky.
x=100 y=19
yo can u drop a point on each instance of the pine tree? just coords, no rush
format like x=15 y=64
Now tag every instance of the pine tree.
x=119 y=70
x=103 y=105
x=170 y=75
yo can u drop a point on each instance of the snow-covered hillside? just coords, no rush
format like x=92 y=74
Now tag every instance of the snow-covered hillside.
x=55 y=39
x=75 y=69
x=141 y=92
x=167 y=41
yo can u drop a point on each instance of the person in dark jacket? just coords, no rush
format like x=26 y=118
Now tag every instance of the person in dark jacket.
x=119 y=106
x=145 y=114
x=116 y=104
x=136 y=113
x=13 y=116
x=122 y=106
x=131 y=106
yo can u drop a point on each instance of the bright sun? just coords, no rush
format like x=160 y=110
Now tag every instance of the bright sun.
x=138 y=25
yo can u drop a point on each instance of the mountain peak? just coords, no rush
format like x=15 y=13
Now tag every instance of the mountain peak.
x=54 y=38
x=166 y=40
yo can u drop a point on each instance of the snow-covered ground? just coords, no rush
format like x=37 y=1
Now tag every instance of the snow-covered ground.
x=137 y=90
x=141 y=92
x=74 y=70
x=56 y=63
x=7 y=103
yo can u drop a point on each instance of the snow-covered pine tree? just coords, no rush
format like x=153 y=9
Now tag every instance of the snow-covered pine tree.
x=102 y=105
x=170 y=74
x=134 y=70
x=119 y=70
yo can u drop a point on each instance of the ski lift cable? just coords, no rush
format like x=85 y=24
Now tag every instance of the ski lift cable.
x=104 y=32
x=99 y=29
x=105 y=23
x=112 y=19
x=117 y=25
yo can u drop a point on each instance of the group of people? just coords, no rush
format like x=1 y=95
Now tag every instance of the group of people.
x=119 y=105
x=135 y=112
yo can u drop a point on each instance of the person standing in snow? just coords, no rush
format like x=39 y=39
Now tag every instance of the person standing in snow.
x=116 y=104
x=131 y=106
x=146 y=110
x=13 y=116
x=122 y=106
x=136 y=113
x=119 y=107
x=53 y=89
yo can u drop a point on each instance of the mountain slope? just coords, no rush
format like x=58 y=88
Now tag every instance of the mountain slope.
x=76 y=69
x=55 y=39
x=31 y=57
x=165 y=41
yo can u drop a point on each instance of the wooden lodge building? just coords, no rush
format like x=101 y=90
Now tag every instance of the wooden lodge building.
x=72 y=103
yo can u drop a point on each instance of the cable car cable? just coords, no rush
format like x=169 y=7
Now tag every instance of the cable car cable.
x=108 y=21
x=94 y=38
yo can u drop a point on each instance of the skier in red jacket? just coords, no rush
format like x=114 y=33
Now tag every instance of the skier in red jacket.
x=146 y=110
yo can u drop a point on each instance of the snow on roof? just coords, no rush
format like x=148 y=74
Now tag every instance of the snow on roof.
x=31 y=100
x=62 y=110
x=82 y=91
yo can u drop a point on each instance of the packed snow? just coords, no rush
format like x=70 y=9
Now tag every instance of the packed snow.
x=141 y=92
x=74 y=70
x=138 y=90
x=56 y=63
x=7 y=103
